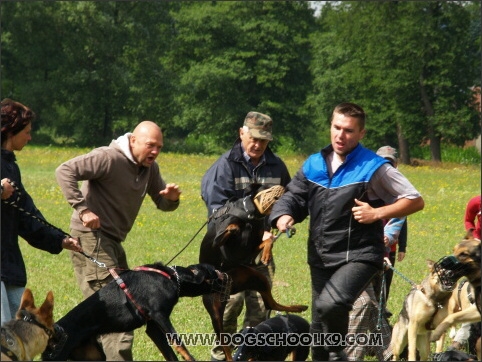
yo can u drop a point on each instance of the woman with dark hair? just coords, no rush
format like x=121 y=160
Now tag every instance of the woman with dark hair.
x=20 y=216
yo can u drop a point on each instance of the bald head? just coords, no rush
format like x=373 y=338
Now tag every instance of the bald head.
x=146 y=142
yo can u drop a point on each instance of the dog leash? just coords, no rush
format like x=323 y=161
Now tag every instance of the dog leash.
x=14 y=203
x=189 y=242
x=381 y=303
x=412 y=283
x=290 y=231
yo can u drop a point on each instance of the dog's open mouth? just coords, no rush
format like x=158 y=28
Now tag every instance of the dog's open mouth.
x=449 y=270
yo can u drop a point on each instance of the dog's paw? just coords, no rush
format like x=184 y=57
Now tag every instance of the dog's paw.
x=437 y=333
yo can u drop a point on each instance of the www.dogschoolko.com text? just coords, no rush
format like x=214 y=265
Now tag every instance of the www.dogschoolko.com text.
x=277 y=339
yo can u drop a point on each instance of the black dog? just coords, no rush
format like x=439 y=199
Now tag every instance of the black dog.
x=277 y=327
x=152 y=292
x=232 y=242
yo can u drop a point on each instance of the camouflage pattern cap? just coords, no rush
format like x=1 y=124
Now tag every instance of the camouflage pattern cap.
x=260 y=125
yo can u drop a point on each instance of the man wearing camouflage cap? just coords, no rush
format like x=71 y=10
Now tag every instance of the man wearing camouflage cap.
x=250 y=160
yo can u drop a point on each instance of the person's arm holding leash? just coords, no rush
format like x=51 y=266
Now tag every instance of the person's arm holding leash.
x=90 y=166
x=7 y=189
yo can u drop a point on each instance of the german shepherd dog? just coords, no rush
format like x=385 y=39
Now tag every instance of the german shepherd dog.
x=27 y=336
x=277 y=326
x=467 y=253
x=231 y=243
x=422 y=309
x=467 y=263
x=460 y=308
x=152 y=292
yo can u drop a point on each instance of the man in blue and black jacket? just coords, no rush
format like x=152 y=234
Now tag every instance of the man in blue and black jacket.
x=347 y=190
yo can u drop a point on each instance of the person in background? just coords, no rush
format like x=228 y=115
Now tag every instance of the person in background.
x=347 y=190
x=20 y=216
x=395 y=230
x=369 y=313
x=472 y=227
x=365 y=317
x=250 y=160
x=472 y=217
x=116 y=180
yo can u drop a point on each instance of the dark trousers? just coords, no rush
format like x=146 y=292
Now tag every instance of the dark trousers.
x=334 y=291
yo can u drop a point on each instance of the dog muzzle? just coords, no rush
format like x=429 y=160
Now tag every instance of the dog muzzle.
x=56 y=343
x=222 y=286
x=449 y=270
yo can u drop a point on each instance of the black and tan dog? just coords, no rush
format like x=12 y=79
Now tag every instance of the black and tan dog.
x=467 y=255
x=231 y=244
x=27 y=336
x=268 y=341
x=422 y=309
x=152 y=292
x=460 y=308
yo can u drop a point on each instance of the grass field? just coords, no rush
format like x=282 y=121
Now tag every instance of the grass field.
x=158 y=236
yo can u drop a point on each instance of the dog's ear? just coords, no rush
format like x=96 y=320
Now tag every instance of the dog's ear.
x=430 y=264
x=27 y=301
x=199 y=273
x=47 y=309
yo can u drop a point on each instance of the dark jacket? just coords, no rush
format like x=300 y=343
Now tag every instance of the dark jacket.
x=335 y=237
x=17 y=223
x=230 y=175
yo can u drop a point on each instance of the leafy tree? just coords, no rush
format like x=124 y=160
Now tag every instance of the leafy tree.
x=233 y=57
x=409 y=64
x=92 y=69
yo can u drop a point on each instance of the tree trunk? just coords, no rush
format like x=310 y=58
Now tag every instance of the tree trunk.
x=428 y=108
x=435 y=148
x=403 y=150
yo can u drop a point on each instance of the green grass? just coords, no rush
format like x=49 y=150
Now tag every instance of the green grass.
x=158 y=236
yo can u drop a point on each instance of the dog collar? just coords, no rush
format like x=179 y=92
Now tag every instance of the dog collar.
x=28 y=317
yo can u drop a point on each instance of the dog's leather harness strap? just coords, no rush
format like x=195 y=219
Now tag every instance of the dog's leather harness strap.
x=8 y=341
x=144 y=268
x=246 y=212
x=120 y=282
x=9 y=353
x=470 y=295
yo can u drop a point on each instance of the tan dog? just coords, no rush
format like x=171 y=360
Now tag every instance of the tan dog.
x=423 y=307
x=467 y=253
x=27 y=336
x=460 y=308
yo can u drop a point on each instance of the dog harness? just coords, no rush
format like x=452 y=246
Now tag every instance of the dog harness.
x=470 y=295
x=120 y=282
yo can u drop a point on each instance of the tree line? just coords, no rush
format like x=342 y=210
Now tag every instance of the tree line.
x=92 y=70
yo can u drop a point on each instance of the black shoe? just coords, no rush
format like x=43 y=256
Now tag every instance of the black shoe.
x=338 y=356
